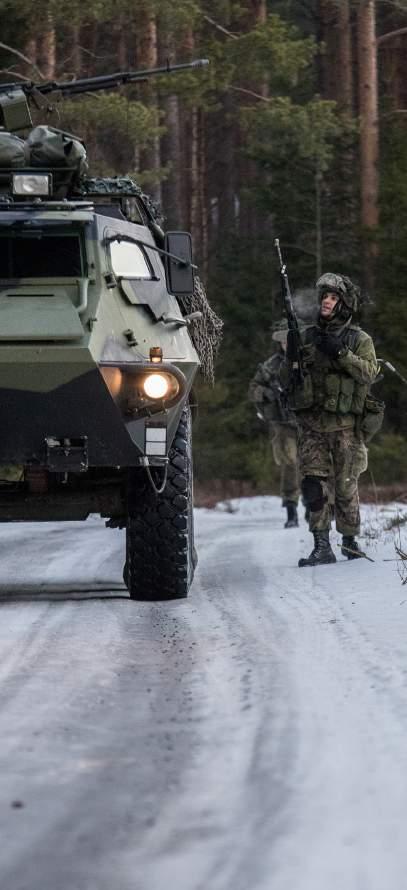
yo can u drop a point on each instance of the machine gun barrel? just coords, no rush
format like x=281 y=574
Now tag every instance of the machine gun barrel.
x=93 y=84
x=15 y=98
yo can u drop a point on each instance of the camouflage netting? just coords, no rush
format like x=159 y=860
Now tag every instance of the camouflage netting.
x=118 y=185
x=206 y=332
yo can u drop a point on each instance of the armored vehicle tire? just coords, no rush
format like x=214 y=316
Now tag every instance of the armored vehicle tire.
x=160 y=552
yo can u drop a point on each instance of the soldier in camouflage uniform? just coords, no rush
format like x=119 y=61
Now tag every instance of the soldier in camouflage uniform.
x=266 y=393
x=339 y=366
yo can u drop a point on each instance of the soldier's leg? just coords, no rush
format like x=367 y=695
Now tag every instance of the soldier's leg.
x=290 y=483
x=315 y=464
x=284 y=442
x=350 y=460
x=315 y=467
x=277 y=444
x=331 y=493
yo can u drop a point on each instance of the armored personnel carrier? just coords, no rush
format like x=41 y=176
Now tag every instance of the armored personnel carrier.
x=96 y=357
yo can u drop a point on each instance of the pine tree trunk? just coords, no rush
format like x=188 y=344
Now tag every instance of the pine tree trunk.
x=393 y=70
x=76 y=51
x=171 y=154
x=192 y=185
x=147 y=57
x=194 y=206
x=369 y=130
x=171 y=144
x=47 y=48
x=31 y=52
x=259 y=11
x=348 y=154
x=345 y=79
x=91 y=44
x=329 y=67
x=121 y=43
x=203 y=197
x=250 y=219
x=226 y=166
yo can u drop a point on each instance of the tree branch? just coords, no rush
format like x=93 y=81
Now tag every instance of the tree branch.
x=389 y=35
x=251 y=93
x=12 y=73
x=28 y=61
x=395 y=111
x=220 y=27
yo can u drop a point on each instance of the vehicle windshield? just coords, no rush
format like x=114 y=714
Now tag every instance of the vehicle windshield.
x=39 y=255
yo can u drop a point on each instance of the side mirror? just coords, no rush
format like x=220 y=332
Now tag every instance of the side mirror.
x=179 y=273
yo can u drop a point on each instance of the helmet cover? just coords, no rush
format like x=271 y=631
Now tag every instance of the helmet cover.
x=341 y=285
x=331 y=283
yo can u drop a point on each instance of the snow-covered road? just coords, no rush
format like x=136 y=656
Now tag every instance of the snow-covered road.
x=252 y=737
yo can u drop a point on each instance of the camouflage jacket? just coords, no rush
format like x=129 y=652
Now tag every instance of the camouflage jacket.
x=266 y=391
x=334 y=391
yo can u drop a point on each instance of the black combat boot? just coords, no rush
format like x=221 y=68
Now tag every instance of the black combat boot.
x=350 y=547
x=322 y=553
x=292 y=515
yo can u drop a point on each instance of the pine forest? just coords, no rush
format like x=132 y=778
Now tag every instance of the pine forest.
x=297 y=129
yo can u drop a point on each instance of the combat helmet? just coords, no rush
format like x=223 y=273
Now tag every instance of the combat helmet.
x=341 y=285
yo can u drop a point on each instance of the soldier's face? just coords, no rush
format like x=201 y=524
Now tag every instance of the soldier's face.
x=328 y=304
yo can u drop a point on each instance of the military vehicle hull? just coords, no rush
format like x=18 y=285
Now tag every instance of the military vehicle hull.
x=85 y=318
x=96 y=359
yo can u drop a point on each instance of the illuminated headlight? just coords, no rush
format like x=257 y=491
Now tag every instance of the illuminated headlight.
x=156 y=386
x=141 y=389
x=32 y=184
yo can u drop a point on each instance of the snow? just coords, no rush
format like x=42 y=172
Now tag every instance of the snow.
x=252 y=737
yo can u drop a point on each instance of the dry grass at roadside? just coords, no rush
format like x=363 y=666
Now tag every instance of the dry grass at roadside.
x=208 y=494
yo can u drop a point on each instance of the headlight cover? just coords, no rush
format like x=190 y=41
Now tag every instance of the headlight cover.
x=156 y=386
x=31 y=184
x=138 y=388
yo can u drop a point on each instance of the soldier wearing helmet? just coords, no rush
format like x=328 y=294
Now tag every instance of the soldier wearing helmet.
x=339 y=365
x=266 y=392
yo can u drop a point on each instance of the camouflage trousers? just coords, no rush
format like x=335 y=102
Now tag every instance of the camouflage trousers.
x=338 y=457
x=285 y=454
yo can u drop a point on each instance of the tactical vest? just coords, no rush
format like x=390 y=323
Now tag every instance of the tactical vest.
x=326 y=386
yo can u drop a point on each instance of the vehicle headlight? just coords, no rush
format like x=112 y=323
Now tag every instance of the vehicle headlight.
x=31 y=184
x=139 y=388
x=156 y=386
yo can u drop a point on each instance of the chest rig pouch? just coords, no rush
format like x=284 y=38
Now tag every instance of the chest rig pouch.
x=372 y=417
x=325 y=386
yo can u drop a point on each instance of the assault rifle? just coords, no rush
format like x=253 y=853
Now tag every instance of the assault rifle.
x=391 y=368
x=15 y=97
x=294 y=336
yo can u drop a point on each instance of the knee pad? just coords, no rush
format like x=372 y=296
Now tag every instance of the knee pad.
x=313 y=493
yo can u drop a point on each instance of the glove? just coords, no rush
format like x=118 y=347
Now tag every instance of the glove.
x=329 y=345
